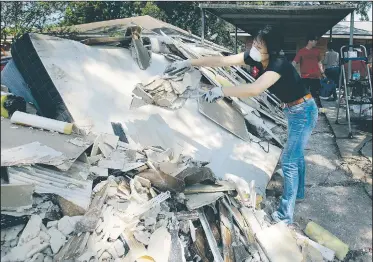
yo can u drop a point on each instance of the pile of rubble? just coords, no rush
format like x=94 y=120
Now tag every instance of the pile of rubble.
x=168 y=91
x=147 y=204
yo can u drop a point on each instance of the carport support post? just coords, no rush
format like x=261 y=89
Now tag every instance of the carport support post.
x=331 y=35
x=203 y=25
x=235 y=39
x=351 y=41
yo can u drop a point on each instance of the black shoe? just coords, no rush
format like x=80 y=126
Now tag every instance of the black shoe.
x=331 y=99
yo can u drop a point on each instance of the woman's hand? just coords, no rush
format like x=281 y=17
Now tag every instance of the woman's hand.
x=213 y=95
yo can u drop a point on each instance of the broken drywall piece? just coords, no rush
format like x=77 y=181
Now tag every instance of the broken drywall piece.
x=137 y=250
x=119 y=247
x=67 y=224
x=172 y=169
x=37 y=249
x=165 y=99
x=32 y=153
x=327 y=253
x=108 y=143
x=11 y=233
x=104 y=143
x=310 y=253
x=139 y=91
x=178 y=87
x=137 y=103
x=57 y=239
x=158 y=157
x=242 y=188
x=142 y=236
x=194 y=201
x=78 y=141
x=192 y=79
x=19 y=253
x=31 y=230
x=16 y=196
x=279 y=244
x=153 y=84
x=155 y=245
x=94 y=159
x=39 y=257
x=99 y=171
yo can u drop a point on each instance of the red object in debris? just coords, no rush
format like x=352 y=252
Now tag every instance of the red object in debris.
x=4 y=61
x=255 y=72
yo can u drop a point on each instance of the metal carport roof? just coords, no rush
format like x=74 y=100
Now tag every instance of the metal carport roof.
x=295 y=20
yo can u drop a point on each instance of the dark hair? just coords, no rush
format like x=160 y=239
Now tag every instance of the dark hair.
x=311 y=37
x=330 y=45
x=272 y=37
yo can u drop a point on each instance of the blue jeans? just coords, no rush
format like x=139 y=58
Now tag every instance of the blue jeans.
x=333 y=74
x=302 y=119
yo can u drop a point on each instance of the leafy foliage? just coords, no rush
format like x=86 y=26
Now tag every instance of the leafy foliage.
x=19 y=17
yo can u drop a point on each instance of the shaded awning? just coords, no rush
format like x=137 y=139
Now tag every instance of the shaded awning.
x=295 y=20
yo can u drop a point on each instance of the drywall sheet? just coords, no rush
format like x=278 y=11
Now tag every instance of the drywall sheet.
x=97 y=91
x=226 y=116
x=16 y=135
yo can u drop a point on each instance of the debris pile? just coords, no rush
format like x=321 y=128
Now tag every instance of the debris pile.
x=169 y=92
x=144 y=200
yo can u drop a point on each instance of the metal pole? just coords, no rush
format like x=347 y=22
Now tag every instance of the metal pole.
x=203 y=26
x=235 y=39
x=351 y=41
x=331 y=35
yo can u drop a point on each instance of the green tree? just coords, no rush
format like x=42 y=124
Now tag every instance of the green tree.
x=154 y=11
x=18 y=17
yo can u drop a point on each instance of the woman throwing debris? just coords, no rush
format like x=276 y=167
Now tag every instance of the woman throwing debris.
x=280 y=77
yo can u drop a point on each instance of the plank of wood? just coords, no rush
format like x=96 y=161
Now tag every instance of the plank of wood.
x=226 y=235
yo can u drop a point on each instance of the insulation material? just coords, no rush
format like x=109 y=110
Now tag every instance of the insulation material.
x=106 y=76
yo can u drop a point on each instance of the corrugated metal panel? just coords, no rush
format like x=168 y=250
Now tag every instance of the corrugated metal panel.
x=56 y=182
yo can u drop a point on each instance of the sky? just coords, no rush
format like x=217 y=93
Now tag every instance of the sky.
x=359 y=24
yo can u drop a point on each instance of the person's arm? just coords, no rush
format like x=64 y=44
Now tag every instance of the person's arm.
x=259 y=86
x=297 y=58
x=216 y=61
x=321 y=67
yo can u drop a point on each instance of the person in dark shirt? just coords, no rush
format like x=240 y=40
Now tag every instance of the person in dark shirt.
x=280 y=77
